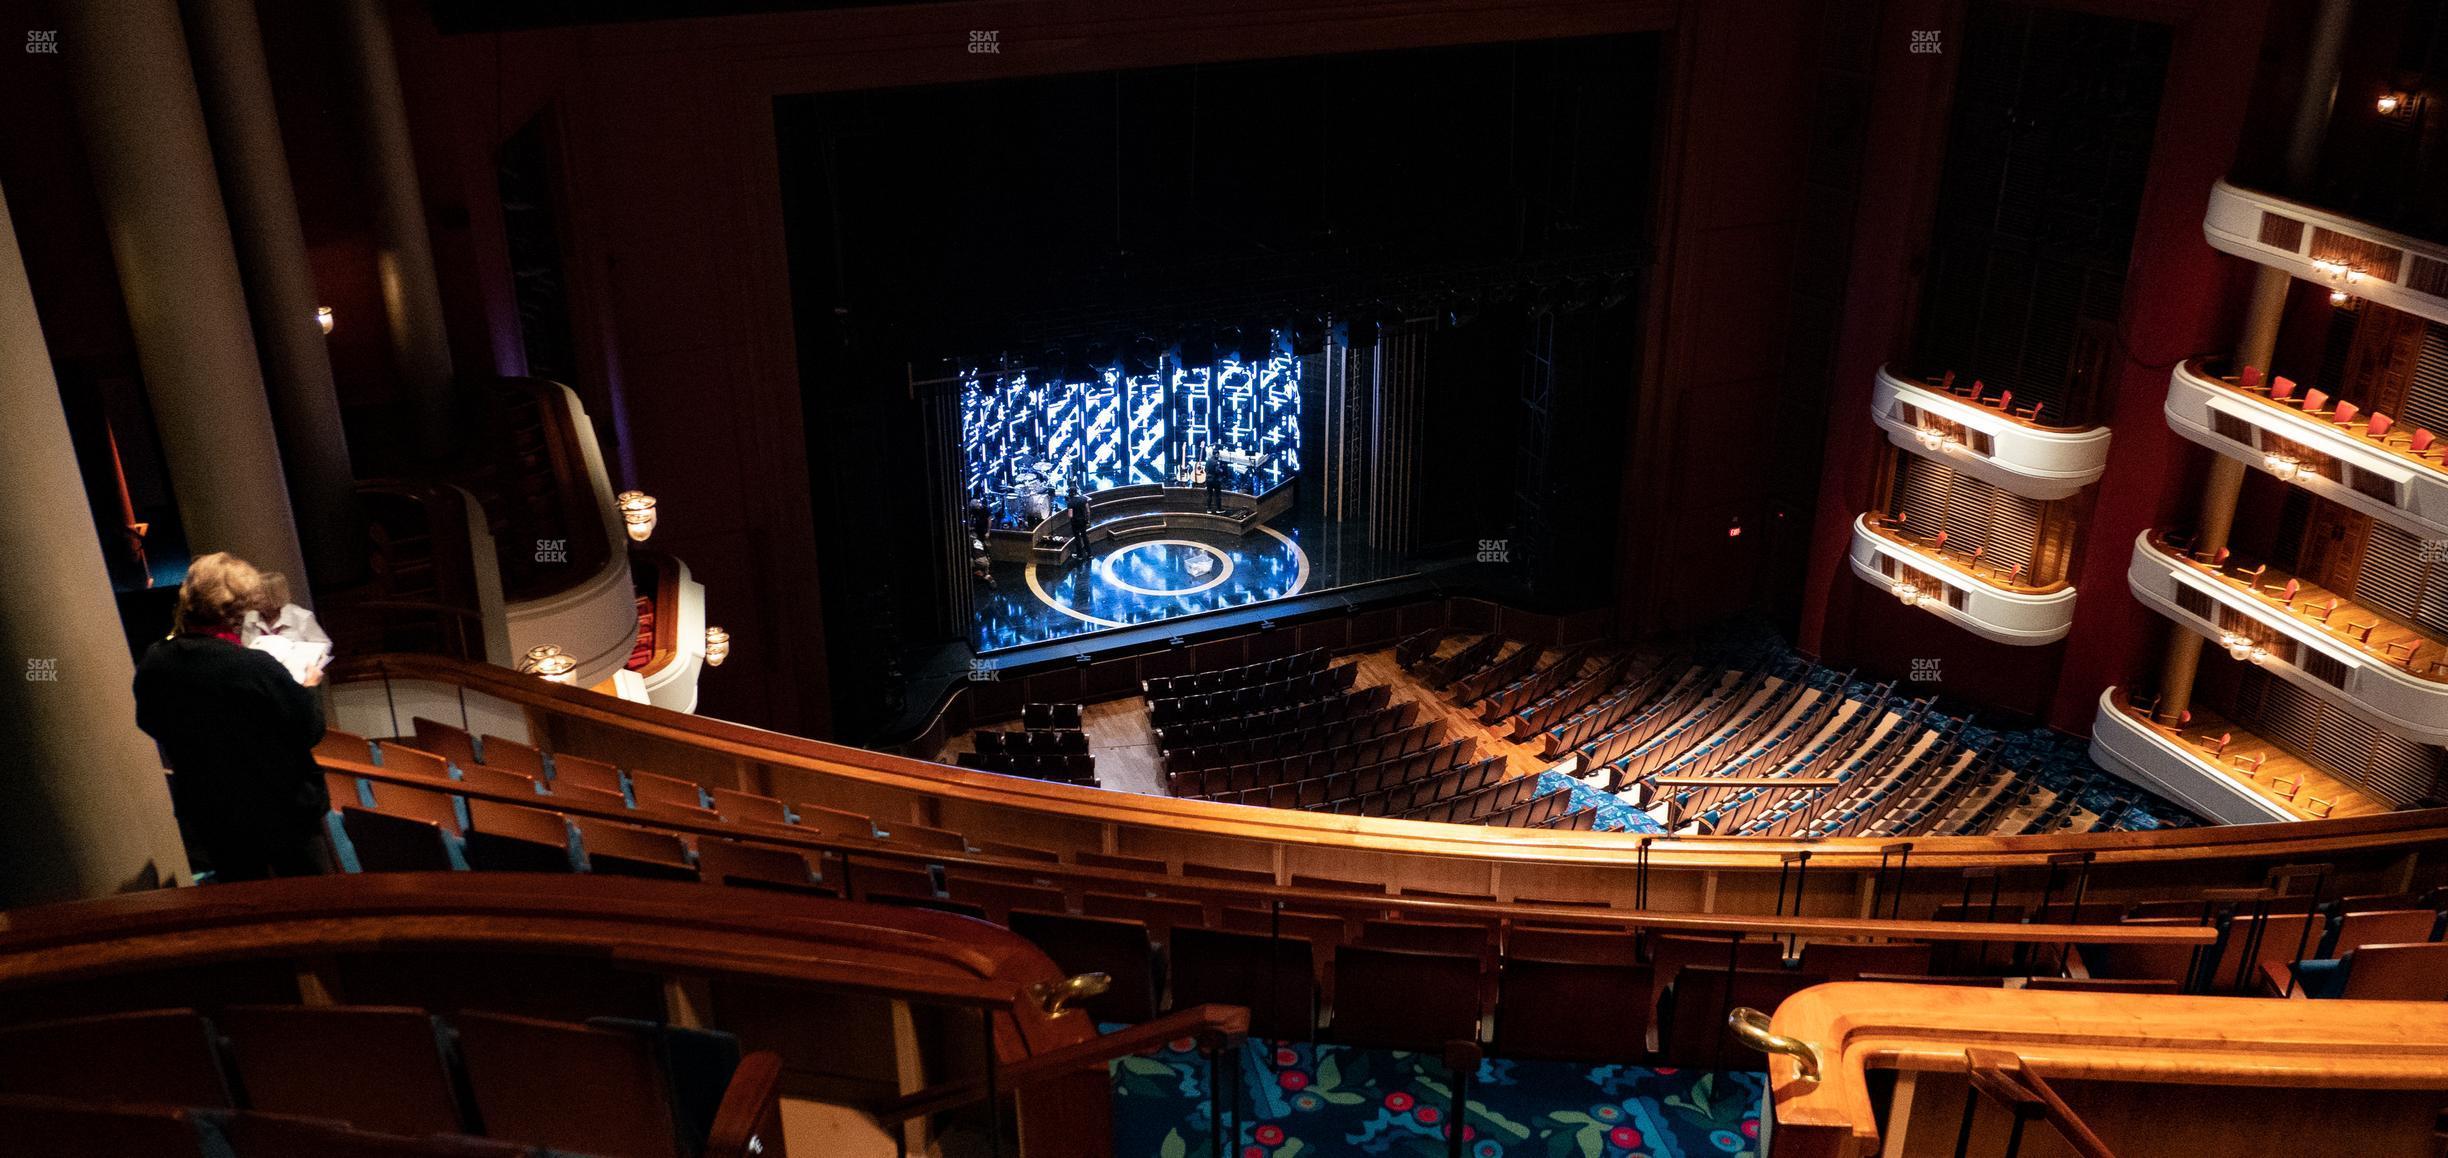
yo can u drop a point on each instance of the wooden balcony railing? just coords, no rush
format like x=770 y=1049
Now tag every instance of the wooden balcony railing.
x=1696 y=875
x=2131 y=1075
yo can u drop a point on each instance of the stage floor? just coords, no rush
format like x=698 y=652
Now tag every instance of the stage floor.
x=1181 y=574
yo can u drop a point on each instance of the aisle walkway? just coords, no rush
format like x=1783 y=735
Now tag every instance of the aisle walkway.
x=1310 y=1101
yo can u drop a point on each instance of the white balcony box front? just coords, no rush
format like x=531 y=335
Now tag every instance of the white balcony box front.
x=2365 y=260
x=2274 y=438
x=2131 y=748
x=2028 y=459
x=1963 y=597
x=2329 y=667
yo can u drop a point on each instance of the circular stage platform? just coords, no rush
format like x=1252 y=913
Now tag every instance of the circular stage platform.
x=1145 y=580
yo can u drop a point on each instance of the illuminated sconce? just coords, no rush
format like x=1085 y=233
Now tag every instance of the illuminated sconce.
x=2285 y=466
x=1931 y=438
x=323 y=318
x=1906 y=594
x=551 y=663
x=2239 y=646
x=637 y=510
x=2391 y=103
x=1734 y=528
x=717 y=646
x=2339 y=298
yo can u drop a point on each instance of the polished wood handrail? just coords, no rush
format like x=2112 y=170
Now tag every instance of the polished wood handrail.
x=876 y=770
x=1295 y=897
x=1857 y=1027
x=673 y=928
x=1204 y=1022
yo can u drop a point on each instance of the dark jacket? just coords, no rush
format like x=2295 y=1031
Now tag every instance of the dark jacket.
x=239 y=735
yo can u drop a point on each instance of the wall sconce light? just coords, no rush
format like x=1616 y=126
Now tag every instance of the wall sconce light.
x=1734 y=529
x=2339 y=298
x=2238 y=646
x=717 y=646
x=323 y=318
x=2391 y=103
x=1931 y=438
x=637 y=510
x=1906 y=594
x=2285 y=466
x=551 y=663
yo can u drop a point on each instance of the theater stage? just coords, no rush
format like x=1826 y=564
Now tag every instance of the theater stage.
x=1179 y=573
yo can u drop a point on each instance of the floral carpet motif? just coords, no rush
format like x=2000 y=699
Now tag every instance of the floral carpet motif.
x=1297 y=1100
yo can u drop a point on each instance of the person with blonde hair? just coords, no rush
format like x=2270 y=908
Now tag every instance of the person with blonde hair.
x=237 y=732
x=275 y=614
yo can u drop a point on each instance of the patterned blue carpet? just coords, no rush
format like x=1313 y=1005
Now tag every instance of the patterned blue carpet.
x=1298 y=1099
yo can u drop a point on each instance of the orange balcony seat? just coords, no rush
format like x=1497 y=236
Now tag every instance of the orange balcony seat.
x=169 y=1054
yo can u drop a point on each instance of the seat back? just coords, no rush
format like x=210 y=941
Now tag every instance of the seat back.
x=579 y=770
x=626 y=850
x=45 y=1126
x=1399 y=999
x=379 y=1068
x=570 y=1087
x=731 y=861
x=1470 y=940
x=1701 y=996
x=2281 y=937
x=1669 y=952
x=2382 y=927
x=2143 y=962
x=1588 y=947
x=339 y=745
x=734 y=805
x=407 y=761
x=511 y=756
x=438 y=806
x=1118 y=948
x=158 y=1056
x=2416 y=972
x=387 y=843
x=1271 y=977
x=1848 y=960
x=509 y=837
x=1572 y=1010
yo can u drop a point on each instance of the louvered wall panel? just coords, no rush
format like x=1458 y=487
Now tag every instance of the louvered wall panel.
x=2426 y=403
x=2338 y=742
x=2396 y=579
x=1972 y=512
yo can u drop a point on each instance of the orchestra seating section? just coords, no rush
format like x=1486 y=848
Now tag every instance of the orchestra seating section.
x=1758 y=743
x=1296 y=732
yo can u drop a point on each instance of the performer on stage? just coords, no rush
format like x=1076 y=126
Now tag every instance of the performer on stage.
x=1079 y=524
x=1215 y=479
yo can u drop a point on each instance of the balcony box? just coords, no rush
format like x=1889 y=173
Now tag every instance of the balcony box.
x=2130 y=747
x=2019 y=455
x=2292 y=647
x=1954 y=592
x=2332 y=461
x=2375 y=264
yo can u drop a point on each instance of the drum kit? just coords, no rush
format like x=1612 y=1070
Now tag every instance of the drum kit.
x=1031 y=499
